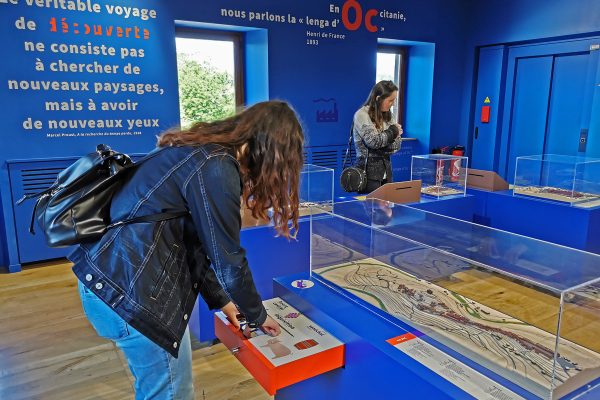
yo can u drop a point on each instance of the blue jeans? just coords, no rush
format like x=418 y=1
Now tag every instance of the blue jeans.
x=158 y=375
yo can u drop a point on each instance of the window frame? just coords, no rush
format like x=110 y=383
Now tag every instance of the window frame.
x=238 y=53
x=400 y=68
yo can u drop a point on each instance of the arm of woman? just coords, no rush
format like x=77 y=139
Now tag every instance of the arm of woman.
x=366 y=130
x=213 y=196
x=395 y=145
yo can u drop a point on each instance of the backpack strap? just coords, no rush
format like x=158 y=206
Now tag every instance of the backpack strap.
x=149 y=218
x=152 y=217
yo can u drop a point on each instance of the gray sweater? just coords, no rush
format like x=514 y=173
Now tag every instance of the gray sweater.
x=380 y=142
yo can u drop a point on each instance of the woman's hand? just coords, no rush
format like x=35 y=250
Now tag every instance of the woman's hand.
x=400 y=130
x=231 y=312
x=271 y=327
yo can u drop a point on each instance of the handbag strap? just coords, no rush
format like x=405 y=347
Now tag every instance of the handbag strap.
x=349 y=148
x=349 y=151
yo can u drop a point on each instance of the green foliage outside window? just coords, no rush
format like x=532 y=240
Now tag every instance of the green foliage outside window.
x=205 y=94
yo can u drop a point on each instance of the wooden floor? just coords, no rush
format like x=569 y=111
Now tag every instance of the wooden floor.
x=48 y=349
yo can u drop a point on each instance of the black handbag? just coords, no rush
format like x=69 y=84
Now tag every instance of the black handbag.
x=76 y=208
x=353 y=178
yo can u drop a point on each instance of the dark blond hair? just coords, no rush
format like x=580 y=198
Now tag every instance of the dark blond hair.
x=381 y=91
x=267 y=140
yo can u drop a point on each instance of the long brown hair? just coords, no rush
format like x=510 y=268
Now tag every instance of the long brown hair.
x=381 y=91
x=267 y=140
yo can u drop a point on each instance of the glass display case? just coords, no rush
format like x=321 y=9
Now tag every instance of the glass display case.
x=440 y=174
x=569 y=179
x=316 y=188
x=522 y=313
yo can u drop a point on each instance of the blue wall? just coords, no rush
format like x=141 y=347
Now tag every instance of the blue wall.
x=284 y=64
x=335 y=75
x=32 y=96
x=20 y=65
x=500 y=21
x=344 y=69
x=504 y=22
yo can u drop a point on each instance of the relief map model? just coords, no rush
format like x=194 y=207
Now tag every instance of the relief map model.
x=439 y=190
x=518 y=351
x=553 y=193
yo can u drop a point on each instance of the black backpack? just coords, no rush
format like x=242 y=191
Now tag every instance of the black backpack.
x=76 y=208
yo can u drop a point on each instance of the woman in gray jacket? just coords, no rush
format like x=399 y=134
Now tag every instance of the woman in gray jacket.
x=377 y=135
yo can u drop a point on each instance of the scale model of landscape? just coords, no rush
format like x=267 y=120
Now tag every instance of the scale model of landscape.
x=512 y=348
x=553 y=193
x=439 y=190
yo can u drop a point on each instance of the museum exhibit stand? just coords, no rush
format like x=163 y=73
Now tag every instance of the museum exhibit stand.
x=555 y=198
x=569 y=179
x=553 y=221
x=434 y=307
x=441 y=175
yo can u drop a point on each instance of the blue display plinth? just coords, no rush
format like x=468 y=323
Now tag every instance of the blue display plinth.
x=460 y=207
x=551 y=221
x=554 y=222
x=373 y=368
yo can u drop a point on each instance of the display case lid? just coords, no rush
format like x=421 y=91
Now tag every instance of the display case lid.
x=539 y=263
x=438 y=156
x=314 y=168
x=559 y=158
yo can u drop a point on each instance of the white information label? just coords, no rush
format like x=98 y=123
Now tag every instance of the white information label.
x=454 y=371
x=302 y=284
x=300 y=337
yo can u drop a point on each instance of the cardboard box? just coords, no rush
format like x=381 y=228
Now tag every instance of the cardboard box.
x=398 y=192
x=486 y=180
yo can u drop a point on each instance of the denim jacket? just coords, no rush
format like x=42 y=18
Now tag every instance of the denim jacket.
x=151 y=273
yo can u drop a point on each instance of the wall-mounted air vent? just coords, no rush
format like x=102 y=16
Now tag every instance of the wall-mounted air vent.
x=37 y=180
x=326 y=158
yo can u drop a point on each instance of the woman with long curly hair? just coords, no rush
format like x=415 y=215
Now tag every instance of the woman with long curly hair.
x=140 y=281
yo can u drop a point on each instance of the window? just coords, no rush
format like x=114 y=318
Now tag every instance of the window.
x=391 y=66
x=210 y=74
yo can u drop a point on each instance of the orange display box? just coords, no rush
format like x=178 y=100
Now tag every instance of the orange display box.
x=301 y=351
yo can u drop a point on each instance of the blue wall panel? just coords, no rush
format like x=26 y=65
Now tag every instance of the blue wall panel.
x=80 y=28
x=490 y=77
x=567 y=104
x=529 y=109
x=499 y=22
